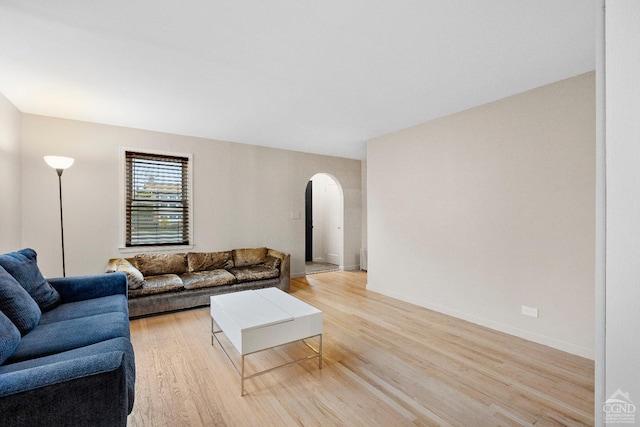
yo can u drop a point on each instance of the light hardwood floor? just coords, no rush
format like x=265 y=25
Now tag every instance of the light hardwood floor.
x=386 y=363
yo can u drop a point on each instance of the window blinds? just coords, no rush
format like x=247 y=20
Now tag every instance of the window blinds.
x=157 y=199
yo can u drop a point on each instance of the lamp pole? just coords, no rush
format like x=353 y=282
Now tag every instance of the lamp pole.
x=60 y=164
x=59 y=171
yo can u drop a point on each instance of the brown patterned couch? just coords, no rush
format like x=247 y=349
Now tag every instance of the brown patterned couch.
x=165 y=282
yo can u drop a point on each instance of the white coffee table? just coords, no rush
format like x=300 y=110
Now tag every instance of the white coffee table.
x=258 y=320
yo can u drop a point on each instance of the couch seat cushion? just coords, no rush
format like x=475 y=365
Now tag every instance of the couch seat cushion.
x=157 y=264
x=203 y=261
x=207 y=279
x=9 y=338
x=65 y=335
x=17 y=304
x=157 y=285
x=23 y=266
x=243 y=257
x=254 y=272
x=90 y=307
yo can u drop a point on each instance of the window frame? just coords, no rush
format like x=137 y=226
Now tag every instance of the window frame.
x=123 y=202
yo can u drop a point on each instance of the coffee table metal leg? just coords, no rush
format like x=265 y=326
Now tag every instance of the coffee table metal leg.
x=215 y=329
x=242 y=377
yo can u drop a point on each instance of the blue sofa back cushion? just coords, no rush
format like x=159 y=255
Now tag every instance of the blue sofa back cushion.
x=9 y=337
x=17 y=304
x=23 y=266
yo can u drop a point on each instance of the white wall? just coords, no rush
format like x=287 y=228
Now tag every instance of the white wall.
x=244 y=195
x=327 y=220
x=601 y=223
x=365 y=233
x=10 y=194
x=623 y=200
x=481 y=212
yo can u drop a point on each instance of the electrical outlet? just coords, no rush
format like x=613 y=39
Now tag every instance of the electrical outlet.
x=529 y=311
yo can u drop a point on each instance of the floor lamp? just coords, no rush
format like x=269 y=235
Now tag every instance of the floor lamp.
x=60 y=163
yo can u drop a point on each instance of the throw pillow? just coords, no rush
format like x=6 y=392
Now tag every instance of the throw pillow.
x=9 y=338
x=135 y=279
x=17 y=304
x=23 y=266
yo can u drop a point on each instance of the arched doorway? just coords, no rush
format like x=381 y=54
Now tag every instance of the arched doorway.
x=324 y=213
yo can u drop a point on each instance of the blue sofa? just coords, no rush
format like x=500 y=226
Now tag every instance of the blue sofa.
x=65 y=352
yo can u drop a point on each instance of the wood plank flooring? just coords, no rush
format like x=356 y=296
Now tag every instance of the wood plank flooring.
x=386 y=363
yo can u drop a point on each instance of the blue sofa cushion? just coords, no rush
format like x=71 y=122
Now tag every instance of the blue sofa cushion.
x=90 y=307
x=9 y=337
x=23 y=266
x=66 y=335
x=16 y=303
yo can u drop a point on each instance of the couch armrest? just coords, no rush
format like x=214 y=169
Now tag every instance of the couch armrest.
x=285 y=268
x=89 y=390
x=79 y=288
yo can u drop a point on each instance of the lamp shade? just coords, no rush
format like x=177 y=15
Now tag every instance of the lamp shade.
x=58 y=162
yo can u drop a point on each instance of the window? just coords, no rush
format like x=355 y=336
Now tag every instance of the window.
x=156 y=199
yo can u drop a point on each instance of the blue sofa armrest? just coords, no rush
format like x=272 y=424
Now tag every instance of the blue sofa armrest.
x=50 y=394
x=79 y=288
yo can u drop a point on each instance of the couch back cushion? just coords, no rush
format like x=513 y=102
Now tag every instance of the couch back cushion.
x=156 y=264
x=243 y=257
x=17 y=304
x=205 y=261
x=9 y=338
x=272 y=262
x=23 y=266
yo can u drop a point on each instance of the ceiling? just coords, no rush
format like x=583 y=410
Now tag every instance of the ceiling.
x=314 y=76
